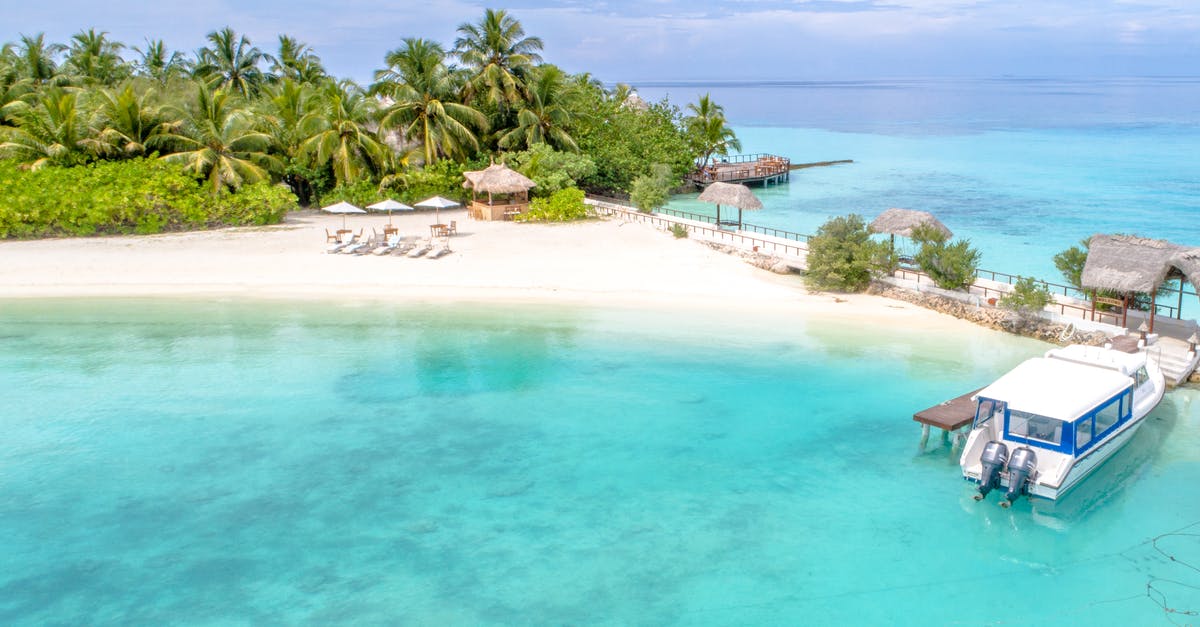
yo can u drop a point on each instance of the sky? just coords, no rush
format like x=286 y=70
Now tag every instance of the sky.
x=671 y=40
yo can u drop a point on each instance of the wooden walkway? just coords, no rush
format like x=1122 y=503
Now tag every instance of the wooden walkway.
x=761 y=169
x=949 y=416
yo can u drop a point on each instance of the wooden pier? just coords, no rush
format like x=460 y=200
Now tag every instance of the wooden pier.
x=949 y=416
x=761 y=169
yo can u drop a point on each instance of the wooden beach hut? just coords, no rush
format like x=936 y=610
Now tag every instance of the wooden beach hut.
x=1128 y=265
x=498 y=180
x=733 y=195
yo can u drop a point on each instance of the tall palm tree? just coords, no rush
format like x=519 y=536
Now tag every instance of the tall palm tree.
x=542 y=119
x=217 y=142
x=338 y=135
x=132 y=124
x=96 y=59
x=231 y=63
x=709 y=131
x=424 y=106
x=160 y=64
x=51 y=131
x=500 y=56
x=282 y=111
x=297 y=61
x=36 y=59
x=14 y=88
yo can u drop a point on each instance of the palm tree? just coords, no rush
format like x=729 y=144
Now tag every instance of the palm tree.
x=230 y=63
x=297 y=61
x=499 y=54
x=283 y=109
x=337 y=133
x=217 y=143
x=156 y=63
x=131 y=123
x=52 y=131
x=94 y=58
x=542 y=119
x=709 y=132
x=423 y=106
x=14 y=88
x=36 y=59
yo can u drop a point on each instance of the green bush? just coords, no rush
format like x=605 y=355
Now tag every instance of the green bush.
x=651 y=191
x=359 y=194
x=842 y=256
x=679 y=231
x=952 y=266
x=551 y=169
x=1070 y=263
x=1029 y=296
x=134 y=196
x=564 y=206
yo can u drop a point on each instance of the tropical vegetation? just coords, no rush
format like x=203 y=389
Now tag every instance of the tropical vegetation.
x=951 y=265
x=237 y=114
x=842 y=257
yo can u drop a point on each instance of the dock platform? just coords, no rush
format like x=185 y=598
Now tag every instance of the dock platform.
x=762 y=169
x=949 y=416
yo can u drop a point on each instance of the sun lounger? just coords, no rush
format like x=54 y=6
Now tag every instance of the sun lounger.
x=349 y=240
x=440 y=250
x=357 y=248
x=421 y=248
x=388 y=247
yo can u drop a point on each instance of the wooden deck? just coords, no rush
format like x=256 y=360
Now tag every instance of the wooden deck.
x=950 y=415
x=761 y=169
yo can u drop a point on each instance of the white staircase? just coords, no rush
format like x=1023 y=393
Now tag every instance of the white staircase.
x=1174 y=359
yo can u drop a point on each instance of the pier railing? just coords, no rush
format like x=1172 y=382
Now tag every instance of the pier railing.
x=1055 y=289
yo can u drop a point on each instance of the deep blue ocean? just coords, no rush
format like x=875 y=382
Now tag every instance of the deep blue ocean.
x=1023 y=168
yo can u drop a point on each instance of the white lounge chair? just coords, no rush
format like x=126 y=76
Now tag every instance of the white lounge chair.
x=357 y=248
x=388 y=247
x=348 y=240
x=440 y=250
x=421 y=248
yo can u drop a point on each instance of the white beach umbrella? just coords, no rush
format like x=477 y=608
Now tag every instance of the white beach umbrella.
x=437 y=203
x=389 y=206
x=343 y=208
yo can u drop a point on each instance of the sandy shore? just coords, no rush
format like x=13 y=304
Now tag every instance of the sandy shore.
x=597 y=263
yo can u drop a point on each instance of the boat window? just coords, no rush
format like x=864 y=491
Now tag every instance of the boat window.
x=1035 y=427
x=1083 y=433
x=1141 y=377
x=1108 y=416
x=988 y=409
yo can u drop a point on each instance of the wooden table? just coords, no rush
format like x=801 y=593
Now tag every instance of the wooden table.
x=390 y=230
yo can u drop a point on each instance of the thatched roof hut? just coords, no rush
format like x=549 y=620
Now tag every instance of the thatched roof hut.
x=497 y=179
x=733 y=195
x=902 y=222
x=1126 y=263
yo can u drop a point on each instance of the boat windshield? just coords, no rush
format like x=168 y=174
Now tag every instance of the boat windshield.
x=1036 y=429
x=986 y=410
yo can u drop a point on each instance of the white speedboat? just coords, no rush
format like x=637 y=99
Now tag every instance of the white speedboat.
x=1044 y=426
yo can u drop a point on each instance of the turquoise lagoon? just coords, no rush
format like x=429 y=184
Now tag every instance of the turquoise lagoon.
x=257 y=463
x=1024 y=168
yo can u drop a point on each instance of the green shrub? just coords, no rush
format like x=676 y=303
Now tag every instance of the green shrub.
x=1029 y=296
x=564 y=206
x=359 y=194
x=551 y=169
x=842 y=256
x=1070 y=263
x=651 y=191
x=134 y=196
x=679 y=231
x=952 y=266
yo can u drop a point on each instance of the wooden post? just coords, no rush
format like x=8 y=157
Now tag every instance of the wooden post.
x=739 y=218
x=1153 y=306
x=1125 y=310
x=924 y=435
x=1179 y=309
x=1093 y=305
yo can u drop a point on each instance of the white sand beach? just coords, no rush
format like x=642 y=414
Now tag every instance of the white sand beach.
x=594 y=263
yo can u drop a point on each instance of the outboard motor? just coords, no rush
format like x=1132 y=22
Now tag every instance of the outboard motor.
x=1020 y=471
x=993 y=458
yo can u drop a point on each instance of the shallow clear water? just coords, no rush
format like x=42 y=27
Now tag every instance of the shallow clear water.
x=302 y=463
x=1022 y=168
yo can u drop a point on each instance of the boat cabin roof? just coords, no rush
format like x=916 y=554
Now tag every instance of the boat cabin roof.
x=1056 y=388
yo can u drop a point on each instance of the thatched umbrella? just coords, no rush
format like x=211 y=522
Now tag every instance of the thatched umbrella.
x=1128 y=264
x=733 y=194
x=902 y=222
